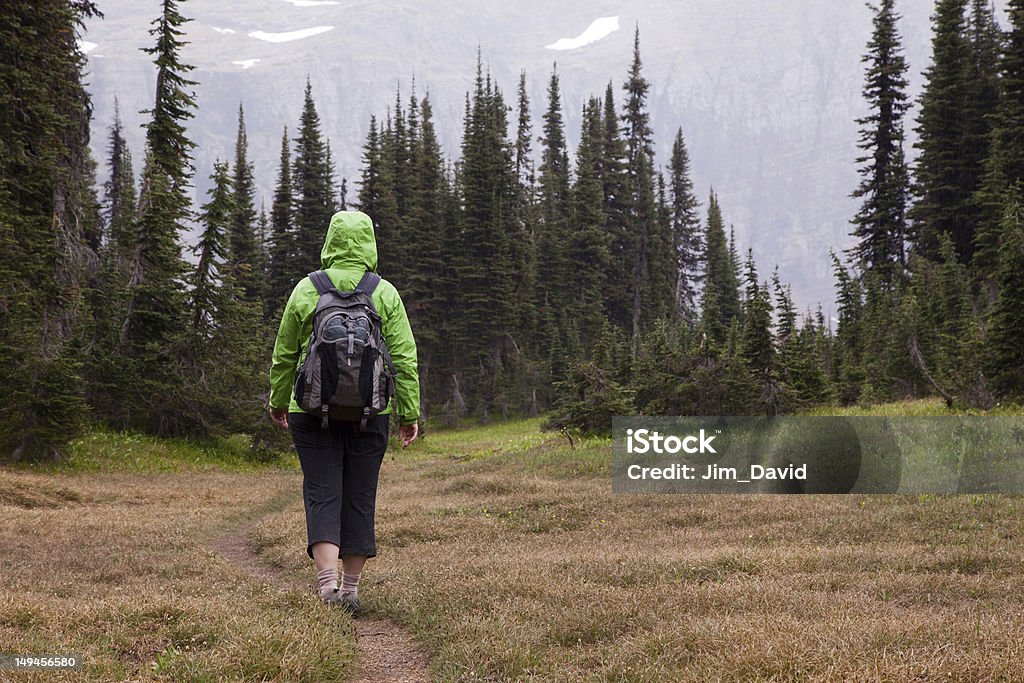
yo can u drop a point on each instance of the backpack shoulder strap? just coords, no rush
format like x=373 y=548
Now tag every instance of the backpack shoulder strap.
x=322 y=283
x=368 y=283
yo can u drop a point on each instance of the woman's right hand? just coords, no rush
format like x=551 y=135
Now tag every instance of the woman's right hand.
x=407 y=433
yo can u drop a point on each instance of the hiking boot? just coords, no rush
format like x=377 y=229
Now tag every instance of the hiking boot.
x=347 y=600
x=350 y=601
x=331 y=597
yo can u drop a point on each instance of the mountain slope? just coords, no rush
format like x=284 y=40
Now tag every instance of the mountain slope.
x=766 y=95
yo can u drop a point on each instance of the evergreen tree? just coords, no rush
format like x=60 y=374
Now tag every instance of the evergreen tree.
x=119 y=191
x=981 y=107
x=799 y=361
x=1006 y=321
x=283 y=263
x=369 y=190
x=108 y=294
x=880 y=224
x=981 y=103
x=225 y=357
x=721 y=304
x=312 y=196
x=588 y=241
x=523 y=243
x=242 y=242
x=377 y=197
x=758 y=346
x=945 y=331
x=524 y=145
x=847 y=367
x=423 y=286
x=262 y=265
x=886 y=330
x=157 y=309
x=618 y=300
x=479 y=254
x=686 y=233
x=647 y=247
x=734 y=255
x=552 y=264
x=48 y=224
x=1005 y=164
x=217 y=218
x=388 y=216
x=940 y=170
x=662 y=267
x=635 y=118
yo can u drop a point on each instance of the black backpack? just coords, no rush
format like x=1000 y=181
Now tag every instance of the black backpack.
x=347 y=373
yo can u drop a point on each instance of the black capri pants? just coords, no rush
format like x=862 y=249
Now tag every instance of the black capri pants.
x=340 y=466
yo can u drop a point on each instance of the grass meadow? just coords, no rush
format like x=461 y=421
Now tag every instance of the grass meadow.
x=503 y=549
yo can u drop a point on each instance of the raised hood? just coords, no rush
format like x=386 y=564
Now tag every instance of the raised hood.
x=350 y=243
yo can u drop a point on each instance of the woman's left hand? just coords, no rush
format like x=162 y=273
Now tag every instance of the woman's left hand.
x=280 y=417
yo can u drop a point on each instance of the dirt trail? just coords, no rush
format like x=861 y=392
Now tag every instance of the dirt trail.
x=386 y=651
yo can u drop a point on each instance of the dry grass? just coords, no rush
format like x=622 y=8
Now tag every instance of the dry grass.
x=507 y=553
x=114 y=567
x=516 y=562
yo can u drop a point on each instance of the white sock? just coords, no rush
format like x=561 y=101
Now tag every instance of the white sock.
x=349 y=582
x=328 y=581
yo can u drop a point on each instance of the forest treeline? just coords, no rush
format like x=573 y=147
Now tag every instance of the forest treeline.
x=587 y=289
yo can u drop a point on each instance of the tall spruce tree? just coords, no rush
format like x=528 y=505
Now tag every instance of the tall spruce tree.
x=523 y=245
x=479 y=256
x=618 y=301
x=312 y=196
x=848 y=366
x=880 y=225
x=588 y=240
x=395 y=182
x=758 y=345
x=157 y=310
x=119 y=198
x=48 y=224
x=662 y=269
x=242 y=242
x=369 y=190
x=423 y=285
x=212 y=250
x=377 y=196
x=284 y=267
x=1006 y=322
x=642 y=220
x=982 y=102
x=941 y=196
x=721 y=302
x=553 y=231
x=109 y=293
x=686 y=233
x=1004 y=167
x=225 y=355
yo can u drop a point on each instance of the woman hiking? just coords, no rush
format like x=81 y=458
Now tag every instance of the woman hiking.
x=341 y=449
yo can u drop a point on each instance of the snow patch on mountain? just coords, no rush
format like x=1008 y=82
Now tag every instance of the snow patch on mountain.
x=311 y=3
x=223 y=30
x=289 y=36
x=246 y=63
x=598 y=29
x=86 y=47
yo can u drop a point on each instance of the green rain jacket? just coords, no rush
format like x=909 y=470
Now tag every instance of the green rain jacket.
x=349 y=250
